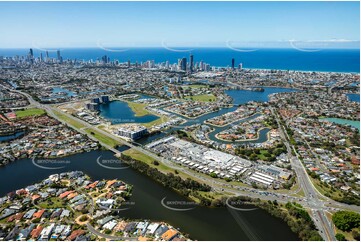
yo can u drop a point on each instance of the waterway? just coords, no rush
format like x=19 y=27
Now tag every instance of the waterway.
x=57 y=90
x=239 y=97
x=353 y=123
x=353 y=97
x=244 y=96
x=201 y=223
x=11 y=137
x=118 y=112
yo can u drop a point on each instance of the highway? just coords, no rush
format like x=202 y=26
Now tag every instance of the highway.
x=312 y=195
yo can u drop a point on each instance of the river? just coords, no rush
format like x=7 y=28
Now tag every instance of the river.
x=201 y=223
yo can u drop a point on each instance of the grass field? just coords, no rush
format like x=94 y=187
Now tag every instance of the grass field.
x=68 y=120
x=51 y=203
x=29 y=112
x=326 y=191
x=158 y=121
x=138 y=108
x=102 y=138
x=146 y=159
x=196 y=86
x=203 y=98
x=99 y=136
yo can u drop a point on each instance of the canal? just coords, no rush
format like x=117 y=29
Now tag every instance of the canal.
x=201 y=223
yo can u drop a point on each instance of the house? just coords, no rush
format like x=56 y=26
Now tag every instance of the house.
x=161 y=230
x=105 y=220
x=65 y=213
x=152 y=228
x=38 y=214
x=46 y=232
x=36 y=232
x=24 y=233
x=169 y=234
x=29 y=214
x=75 y=234
x=110 y=225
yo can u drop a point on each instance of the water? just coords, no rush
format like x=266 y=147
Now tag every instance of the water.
x=57 y=90
x=331 y=60
x=353 y=123
x=11 y=137
x=353 y=97
x=201 y=223
x=119 y=112
x=239 y=97
x=244 y=96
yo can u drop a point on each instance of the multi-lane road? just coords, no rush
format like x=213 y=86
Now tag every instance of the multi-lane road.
x=318 y=212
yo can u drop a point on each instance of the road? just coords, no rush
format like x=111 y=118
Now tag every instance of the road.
x=311 y=193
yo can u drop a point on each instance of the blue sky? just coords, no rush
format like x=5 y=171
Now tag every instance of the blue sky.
x=88 y=24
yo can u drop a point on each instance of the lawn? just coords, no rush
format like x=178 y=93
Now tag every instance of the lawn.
x=196 y=86
x=203 y=98
x=29 y=112
x=325 y=190
x=262 y=154
x=138 y=108
x=158 y=121
x=68 y=120
x=53 y=202
x=147 y=159
x=102 y=138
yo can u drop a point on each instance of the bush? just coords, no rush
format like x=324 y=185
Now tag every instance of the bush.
x=345 y=220
x=340 y=237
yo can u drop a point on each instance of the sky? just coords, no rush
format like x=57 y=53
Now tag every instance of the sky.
x=106 y=24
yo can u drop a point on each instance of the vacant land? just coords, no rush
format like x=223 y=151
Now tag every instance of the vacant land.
x=102 y=138
x=68 y=120
x=203 y=98
x=138 y=108
x=29 y=112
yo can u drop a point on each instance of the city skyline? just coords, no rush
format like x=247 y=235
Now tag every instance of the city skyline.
x=175 y=24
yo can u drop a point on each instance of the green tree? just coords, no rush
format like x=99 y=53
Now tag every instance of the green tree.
x=346 y=220
x=340 y=237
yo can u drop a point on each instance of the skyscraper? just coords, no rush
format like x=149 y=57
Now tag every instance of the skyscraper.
x=232 y=63
x=31 y=56
x=191 y=64
x=184 y=64
x=58 y=56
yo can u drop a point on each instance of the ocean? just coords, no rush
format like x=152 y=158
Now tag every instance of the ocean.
x=325 y=60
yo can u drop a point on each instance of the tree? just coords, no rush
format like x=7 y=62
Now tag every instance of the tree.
x=340 y=237
x=214 y=175
x=346 y=220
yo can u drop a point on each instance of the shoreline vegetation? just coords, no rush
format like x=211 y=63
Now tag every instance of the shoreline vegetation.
x=296 y=217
